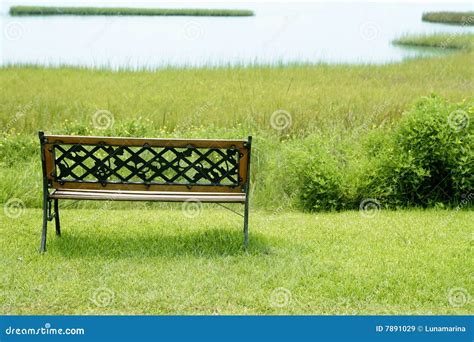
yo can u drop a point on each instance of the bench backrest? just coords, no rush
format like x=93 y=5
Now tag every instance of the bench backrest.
x=188 y=165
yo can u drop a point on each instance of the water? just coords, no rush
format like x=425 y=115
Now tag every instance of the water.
x=278 y=33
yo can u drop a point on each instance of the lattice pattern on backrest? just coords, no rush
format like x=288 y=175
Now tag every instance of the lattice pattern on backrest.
x=107 y=164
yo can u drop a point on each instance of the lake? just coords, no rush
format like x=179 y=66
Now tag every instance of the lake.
x=278 y=33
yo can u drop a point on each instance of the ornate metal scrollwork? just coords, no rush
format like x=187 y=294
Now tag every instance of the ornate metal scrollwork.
x=146 y=164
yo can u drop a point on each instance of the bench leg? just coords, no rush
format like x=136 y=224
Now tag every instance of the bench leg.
x=45 y=226
x=246 y=223
x=56 y=217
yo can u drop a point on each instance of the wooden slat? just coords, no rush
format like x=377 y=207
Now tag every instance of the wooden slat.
x=143 y=187
x=150 y=196
x=155 y=142
x=243 y=166
x=49 y=162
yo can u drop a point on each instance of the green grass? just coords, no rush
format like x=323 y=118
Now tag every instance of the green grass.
x=454 y=18
x=160 y=262
x=42 y=10
x=444 y=41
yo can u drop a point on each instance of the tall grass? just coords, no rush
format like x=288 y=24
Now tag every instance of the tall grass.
x=322 y=97
x=455 y=18
x=42 y=10
x=338 y=108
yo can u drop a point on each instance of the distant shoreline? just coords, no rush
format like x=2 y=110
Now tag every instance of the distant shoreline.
x=49 y=10
x=457 y=41
x=452 y=18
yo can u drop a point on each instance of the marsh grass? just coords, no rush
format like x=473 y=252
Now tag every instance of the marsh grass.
x=42 y=10
x=340 y=108
x=457 y=41
x=454 y=18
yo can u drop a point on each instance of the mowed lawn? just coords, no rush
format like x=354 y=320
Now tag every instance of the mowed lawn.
x=163 y=261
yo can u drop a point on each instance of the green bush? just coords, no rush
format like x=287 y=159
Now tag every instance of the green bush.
x=425 y=160
x=313 y=174
x=429 y=158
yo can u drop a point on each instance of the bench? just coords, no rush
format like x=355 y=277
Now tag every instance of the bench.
x=142 y=169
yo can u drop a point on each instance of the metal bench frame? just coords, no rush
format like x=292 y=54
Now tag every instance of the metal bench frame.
x=142 y=169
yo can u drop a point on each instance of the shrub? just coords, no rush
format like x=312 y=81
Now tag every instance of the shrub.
x=429 y=159
x=314 y=175
x=425 y=160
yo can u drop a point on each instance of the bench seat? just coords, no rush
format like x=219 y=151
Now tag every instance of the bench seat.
x=162 y=196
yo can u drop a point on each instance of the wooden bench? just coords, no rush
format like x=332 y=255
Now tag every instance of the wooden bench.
x=141 y=169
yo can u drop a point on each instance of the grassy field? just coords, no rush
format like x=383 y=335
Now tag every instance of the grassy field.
x=340 y=104
x=41 y=10
x=147 y=261
x=454 y=18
